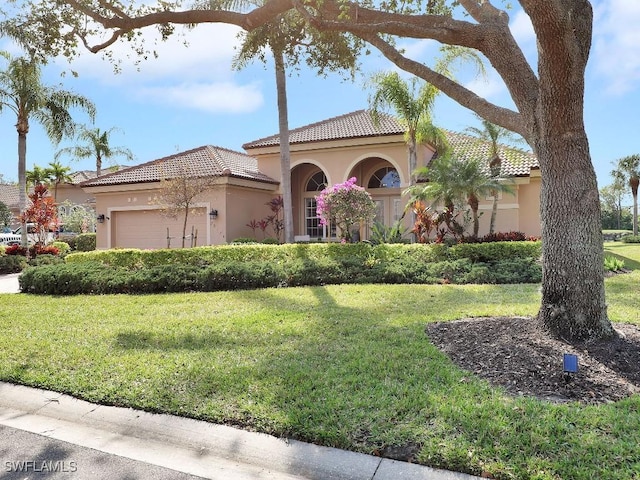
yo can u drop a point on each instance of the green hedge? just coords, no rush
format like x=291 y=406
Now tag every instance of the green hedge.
x=261 y=266
x=210 y=255
x=12 y=263
x=631 y=239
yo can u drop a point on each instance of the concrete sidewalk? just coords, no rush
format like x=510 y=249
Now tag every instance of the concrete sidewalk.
x=9 y=283
x=193 y=447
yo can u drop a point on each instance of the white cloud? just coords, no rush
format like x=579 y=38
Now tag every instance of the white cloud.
x=616 y=52
x=204 y=52
x=196 y=76
x=522 y=29
x=225 y=97
x=423 y=49
x=487 y=87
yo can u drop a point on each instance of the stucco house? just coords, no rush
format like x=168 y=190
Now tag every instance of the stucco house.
x=322 y=154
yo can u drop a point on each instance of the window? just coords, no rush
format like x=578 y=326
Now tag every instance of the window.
x=311 y=220
x=317 y=182
x=397 y=209
x=386 y=177
x=313 y=227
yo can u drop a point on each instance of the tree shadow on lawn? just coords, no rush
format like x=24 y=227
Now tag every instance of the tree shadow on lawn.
x=350 y=377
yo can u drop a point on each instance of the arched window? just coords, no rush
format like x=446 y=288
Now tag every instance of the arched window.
x=386 y=177
x=317 y=182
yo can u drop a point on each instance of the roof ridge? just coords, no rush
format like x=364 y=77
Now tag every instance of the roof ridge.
x=304 y=127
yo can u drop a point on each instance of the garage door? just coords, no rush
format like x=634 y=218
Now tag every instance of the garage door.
x=148 y=229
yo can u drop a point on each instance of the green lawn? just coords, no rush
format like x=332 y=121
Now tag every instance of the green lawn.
x=346 y=366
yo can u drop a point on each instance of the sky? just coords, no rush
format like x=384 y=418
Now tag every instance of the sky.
x=190 y=96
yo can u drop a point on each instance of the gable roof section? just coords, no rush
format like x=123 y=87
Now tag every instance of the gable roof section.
x=358 y=124
x=9 y=195
x=84 y=175
x=515 y=162
x=351 y=125
x=206 y=161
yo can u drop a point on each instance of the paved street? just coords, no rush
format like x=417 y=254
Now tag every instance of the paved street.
x=28 y=456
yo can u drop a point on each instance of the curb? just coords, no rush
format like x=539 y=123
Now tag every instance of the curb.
x=191 y=446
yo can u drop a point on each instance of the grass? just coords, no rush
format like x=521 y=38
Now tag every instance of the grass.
x=346 y=366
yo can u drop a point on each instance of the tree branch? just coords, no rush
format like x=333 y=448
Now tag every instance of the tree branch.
x=499 y=115
x=120 y=21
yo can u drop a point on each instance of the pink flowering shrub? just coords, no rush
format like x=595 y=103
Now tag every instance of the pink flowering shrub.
x=345 y=205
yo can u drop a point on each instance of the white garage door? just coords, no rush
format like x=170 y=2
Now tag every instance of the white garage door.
x=148 y=229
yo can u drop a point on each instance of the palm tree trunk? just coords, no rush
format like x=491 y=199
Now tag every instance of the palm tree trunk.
x=473 y=203
x=494 y=213
x=22 y=181
x=99 y=166
x=285 y=160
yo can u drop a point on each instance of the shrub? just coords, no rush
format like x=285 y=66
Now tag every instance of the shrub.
x=243 y=240
x=613 y=264
x=259 y=266
x=241 y=275
x=491 y=252
x=63 y=248
x=16 y=250
x=45 y=259
x=12 y=263
x=270 y=241
x=68 y=239
x=39 y=249
x=86 y=242
x=504 y=237
x=631 y=239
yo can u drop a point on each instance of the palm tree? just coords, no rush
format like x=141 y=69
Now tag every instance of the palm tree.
x=628 y=171
x=285 y=37
x=36 y=176
x=58 y=174
x=451 y=180
x=493 y=135
x=413 y=105
x=96 y=146
x=22 y=91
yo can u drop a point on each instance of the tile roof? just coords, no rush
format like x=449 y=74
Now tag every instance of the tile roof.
x=359 y=124
x=515 y=162
x=206 y=161
x=9 y=195
x=351 y=125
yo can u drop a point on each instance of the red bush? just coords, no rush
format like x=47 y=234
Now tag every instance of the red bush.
x=16 y=250
x=39 y=249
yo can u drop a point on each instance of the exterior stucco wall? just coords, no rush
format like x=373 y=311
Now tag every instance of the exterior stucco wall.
x=341 y=160
x=529 y=195
x=72 y=194
x=137 y=208
x=242 y=206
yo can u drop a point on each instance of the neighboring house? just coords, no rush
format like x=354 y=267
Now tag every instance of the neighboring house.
x=9 y=195
x=322 y=154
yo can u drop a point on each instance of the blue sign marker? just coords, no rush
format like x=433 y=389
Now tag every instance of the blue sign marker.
x=570 y=363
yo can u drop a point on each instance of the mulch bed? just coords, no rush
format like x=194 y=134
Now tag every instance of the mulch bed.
x=519 y=355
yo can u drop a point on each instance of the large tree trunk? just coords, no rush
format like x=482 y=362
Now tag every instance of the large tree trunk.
x=285 y=160
x=634 y=192
x=573 y=296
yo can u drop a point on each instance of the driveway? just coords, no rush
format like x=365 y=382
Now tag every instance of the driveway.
x=9 y=283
